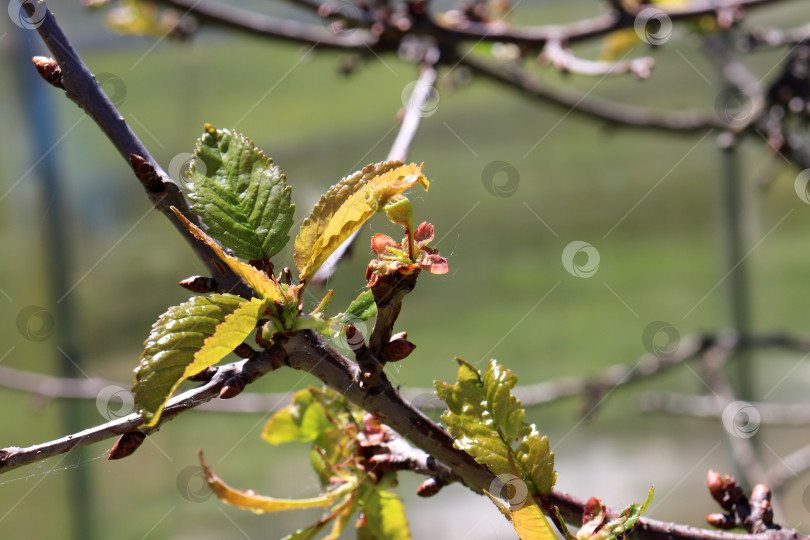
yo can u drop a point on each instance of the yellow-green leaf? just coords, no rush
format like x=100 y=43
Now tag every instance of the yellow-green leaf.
x=259 y=504
x=175 y=338
x=302 y=421
x=384 y=517
x=345 y=207
x=530 y=523
x=263 y=284
x=228 y=335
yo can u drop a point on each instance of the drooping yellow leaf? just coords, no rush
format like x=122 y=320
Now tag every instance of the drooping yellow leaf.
x=530 y=523
x=346 y=206
x=264 y=285
x=232 y=332
x=259 y=504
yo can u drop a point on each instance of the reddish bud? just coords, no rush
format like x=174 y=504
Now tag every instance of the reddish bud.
x=720 y=521
x=147 y=174
x=716 y=485
x=49 y=70
x=429 y=488
x=127 y=444
x=243 y=350
x=199 y=284
x=233 y=387
x=396 y=350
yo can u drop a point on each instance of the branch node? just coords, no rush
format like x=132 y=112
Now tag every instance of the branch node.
x=126 y=445
x=233 y=387
x=243 y=350
x=199 y=284
x=147 y=174
x=49 y=70
x=205 y=375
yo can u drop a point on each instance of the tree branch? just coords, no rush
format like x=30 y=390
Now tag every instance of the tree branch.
x=535 y=37
x=82 y=88
x=612 y=113
x=566 y=61
x=257 y=24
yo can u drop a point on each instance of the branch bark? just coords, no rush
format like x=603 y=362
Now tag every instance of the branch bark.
x=82 y=88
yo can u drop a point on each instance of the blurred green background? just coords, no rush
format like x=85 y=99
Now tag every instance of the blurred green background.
x=648 y=202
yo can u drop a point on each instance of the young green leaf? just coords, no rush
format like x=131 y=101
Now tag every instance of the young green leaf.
x=362 y=308
x=345 y=207
x=240 y=195
x=619 y=526
x=383 y=517
x=263 y=284
x=486 y=421
x=177 y=336
x=302 y=421
x=259 y=504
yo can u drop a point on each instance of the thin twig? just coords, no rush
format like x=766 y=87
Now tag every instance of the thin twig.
x=49 y=387
x=536 y=37
x=706 y=407
x=612 y=113
x=566 y=61
x=250 y=22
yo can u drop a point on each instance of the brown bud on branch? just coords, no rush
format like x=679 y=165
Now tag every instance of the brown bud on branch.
x=49 y=70
x=127 y=444
x=147 y=174
x=199 y=284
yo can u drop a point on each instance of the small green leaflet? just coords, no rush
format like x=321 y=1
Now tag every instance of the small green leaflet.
x=302 y=421
x=383 y=517
x=185 y=340
x=363 y=308
x=486 y=421
x=594 y=528
x=240 y=195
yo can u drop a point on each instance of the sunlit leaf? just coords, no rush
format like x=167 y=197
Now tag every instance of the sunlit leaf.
x=240 y=195
x=344 y=208
x=530 y=523
x=486 y=421
x=175 y=338
x=265 y=286
x=302 y=421
x=362 y=308
x=383 y=517
x=259 y=504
